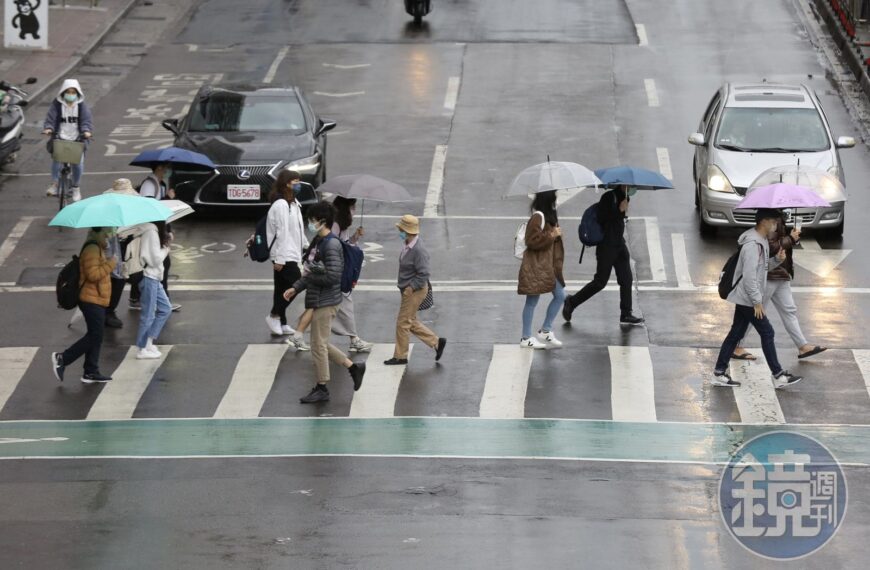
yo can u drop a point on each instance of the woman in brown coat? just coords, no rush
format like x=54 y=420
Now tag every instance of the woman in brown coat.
x=95 y=291
x=541 y=270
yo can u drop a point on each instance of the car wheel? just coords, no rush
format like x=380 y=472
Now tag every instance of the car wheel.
x=836 y=232
x=706 y=229
x=697 y=195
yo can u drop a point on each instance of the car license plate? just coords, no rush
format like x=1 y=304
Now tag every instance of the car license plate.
x=243 y=192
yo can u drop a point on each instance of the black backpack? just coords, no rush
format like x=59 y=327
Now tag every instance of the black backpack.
x=67 y=287
x=590 y=231
x=726 y=277
x=257 y=249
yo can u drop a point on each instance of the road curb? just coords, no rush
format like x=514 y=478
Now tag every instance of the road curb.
x=84 y=52
x=846 y=44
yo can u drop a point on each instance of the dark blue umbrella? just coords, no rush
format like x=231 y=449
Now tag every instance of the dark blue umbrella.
x=177 y=156
x=639 y=178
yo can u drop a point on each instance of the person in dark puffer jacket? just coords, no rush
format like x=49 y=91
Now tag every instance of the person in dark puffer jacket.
x=323 y=264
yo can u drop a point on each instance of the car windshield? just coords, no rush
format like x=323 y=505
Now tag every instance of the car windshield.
x=772 y=130
x=233 y=112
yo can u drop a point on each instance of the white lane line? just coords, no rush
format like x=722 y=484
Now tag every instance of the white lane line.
x=436 y=181
x=632 y=385
x=350 y=94
x=642 y=39
x=119 y=398
x=273 y=69
x=652 y=94
x=507 y=380
x=452 y=94
x=681 y=262
x=654 y=245
x=664 y=158
x=252 y=381
x=862 y=358
x=756 y=397
x=376 y=398
x=344 y=67
x=8 y=245
x=14 y=362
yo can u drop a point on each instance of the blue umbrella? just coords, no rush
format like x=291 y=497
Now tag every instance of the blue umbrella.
x=639 y=178
x=177 y=156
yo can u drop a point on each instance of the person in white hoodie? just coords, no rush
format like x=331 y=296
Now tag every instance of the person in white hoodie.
x=69 y=118
x=285 y=234
x=155 y=304
x=747 y=295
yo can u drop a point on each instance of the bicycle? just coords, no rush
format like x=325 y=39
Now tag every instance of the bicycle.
x=67 y=153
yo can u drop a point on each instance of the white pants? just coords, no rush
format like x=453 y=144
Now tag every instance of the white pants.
x=778 y=292
x=344 y=323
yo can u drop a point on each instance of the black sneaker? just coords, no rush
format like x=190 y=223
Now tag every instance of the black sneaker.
x=396 y=361
x=357 y=371
x=113 y=322
x=57 y=365
x=630 y=320
x=95 y=378
x=442 y=342
x=785 y=379
x=567 y=309
x=724 y=379
x=320 y=393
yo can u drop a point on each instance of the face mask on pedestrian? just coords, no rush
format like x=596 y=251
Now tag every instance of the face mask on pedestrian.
x=403 y=235
x=167 y=173
x=70 y=97
x=296 y=187
x=314 y=227
x=632 y=192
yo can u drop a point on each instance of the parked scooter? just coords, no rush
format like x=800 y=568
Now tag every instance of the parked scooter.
x=418 y=9
x=13 y=99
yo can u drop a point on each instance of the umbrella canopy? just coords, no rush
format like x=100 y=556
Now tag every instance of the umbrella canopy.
x=782 y=196
x=822 y=183
x=639 y=178
x=177 y=156
x=365 y=187
x=552 y=176
x=111 y=210
x=178 y=208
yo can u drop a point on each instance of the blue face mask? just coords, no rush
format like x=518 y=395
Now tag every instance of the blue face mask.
x=403 y=235
x=296 y=186
x=70 y=97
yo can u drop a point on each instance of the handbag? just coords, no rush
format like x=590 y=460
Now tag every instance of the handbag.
x=429 y=300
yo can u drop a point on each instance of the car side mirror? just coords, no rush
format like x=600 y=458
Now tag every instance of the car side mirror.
x=171 y=125
x=845 y=142
x=307 y=195
x=697 y=139
x=30 y=81
x=325 y=126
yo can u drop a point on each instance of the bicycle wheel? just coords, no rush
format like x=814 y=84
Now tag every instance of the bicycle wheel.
x=62 y=186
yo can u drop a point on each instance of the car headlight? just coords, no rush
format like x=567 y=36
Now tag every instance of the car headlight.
x=834 y=171
x=305 y=165
x=717 y=181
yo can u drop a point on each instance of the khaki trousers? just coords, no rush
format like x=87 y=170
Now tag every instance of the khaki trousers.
x=407 y=322
x=321 y=351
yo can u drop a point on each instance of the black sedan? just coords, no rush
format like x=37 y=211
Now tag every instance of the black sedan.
x=251 y=132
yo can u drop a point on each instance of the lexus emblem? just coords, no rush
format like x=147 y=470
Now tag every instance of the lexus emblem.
x=244 y=174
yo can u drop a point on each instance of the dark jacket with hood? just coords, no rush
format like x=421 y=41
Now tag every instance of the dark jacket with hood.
x=782 y=240
x=611 y=219
x=322 y=282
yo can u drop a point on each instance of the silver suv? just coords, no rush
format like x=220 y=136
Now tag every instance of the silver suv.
x=748 y=128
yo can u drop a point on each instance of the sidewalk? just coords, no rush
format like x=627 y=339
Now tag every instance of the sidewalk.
x=74 y=32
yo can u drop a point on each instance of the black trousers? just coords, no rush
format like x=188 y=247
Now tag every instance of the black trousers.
x=90 y=344
x=283 y=280
x=134 y=287
x=117 y=291
x=608 y=258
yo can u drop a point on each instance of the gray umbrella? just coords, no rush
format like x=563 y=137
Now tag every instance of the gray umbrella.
x=365 y=187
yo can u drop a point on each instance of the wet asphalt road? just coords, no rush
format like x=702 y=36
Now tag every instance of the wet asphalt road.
x=564 y=78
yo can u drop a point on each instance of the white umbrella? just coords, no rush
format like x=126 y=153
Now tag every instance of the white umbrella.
x=179 y=209
x=552 y=176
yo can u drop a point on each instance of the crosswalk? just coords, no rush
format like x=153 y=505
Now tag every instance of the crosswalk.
x=645 y=384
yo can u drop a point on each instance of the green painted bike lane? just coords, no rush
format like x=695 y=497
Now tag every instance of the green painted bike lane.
x=407 y=437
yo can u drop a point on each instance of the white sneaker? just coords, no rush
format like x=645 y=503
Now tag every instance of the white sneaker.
x=51 y=191
x=359 y=345
x=298 y=343
x=149 y=347
x=532 y=342
x=287 y=329
x=145 y=354
x=550 y=339
x=274 y=324
x=76 y=194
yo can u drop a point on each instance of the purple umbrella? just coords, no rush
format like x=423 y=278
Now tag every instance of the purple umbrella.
x=781 y=196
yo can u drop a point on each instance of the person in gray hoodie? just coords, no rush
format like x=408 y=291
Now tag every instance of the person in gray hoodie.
x=750 y=282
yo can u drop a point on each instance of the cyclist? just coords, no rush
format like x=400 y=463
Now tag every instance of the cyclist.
x=69 y=118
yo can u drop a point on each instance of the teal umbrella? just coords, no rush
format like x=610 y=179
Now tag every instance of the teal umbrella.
x=111 y=210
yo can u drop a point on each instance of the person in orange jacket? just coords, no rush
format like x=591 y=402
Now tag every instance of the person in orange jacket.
x=95 y=292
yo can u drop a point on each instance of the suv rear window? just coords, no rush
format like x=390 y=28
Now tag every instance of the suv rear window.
x=761 y=129
x=234 y=112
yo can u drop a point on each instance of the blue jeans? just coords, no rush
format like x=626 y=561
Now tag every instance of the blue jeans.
x=77 y=170
x=743 y=317
x=155 y=310
x=552 y=310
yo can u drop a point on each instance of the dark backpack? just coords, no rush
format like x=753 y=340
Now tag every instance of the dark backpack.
x=726 y=277
x=590 y=231
x=67 y=287
x=353 y=262
x=257 y=249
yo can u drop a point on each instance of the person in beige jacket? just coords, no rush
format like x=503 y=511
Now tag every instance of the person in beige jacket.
x=95 y=291
x=541 y=270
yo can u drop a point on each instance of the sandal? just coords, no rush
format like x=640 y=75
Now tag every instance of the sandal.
x=744 y=356
x=815 y=350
